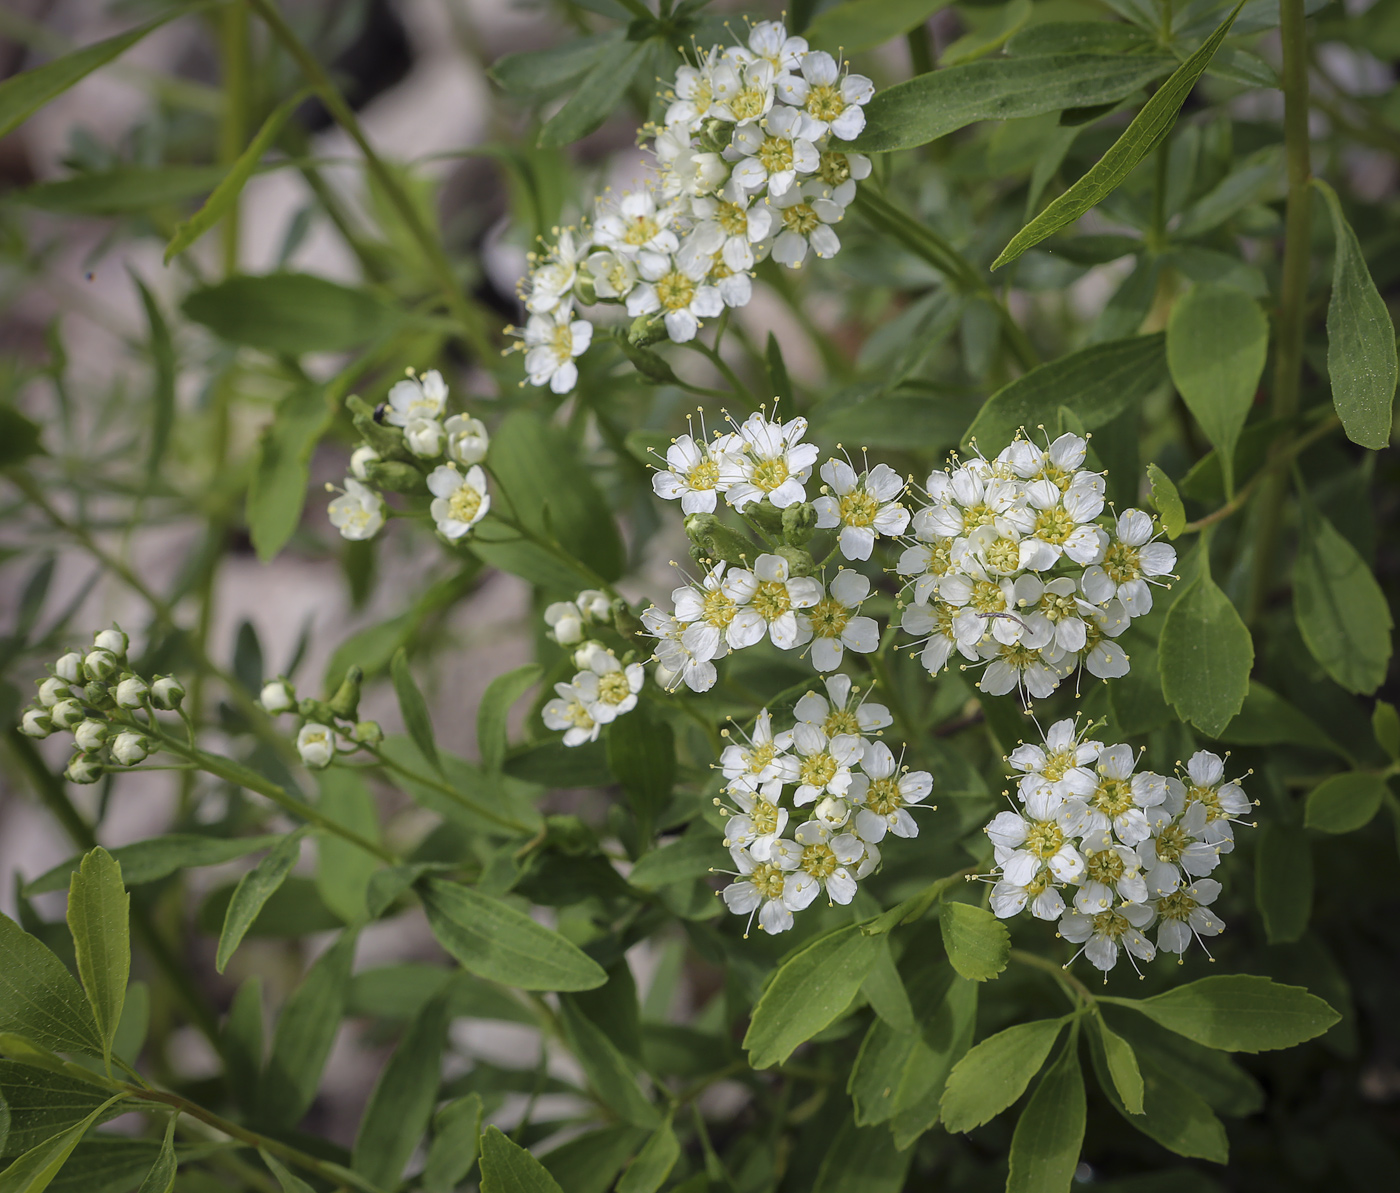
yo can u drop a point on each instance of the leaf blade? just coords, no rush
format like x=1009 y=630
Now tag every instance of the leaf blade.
x=995 y=1073
x=99 y=911
x=253 y=891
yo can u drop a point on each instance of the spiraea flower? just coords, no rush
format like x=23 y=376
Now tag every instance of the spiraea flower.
x=834 y=623
x=761 y=887
x=864 y=506
x=677 y=289
x=1186 y=915
x=467 y=439
x=883 y=792
x=416 y=398
x=608 y=688
x=830 y=100
x=844 y=709
x=552 y=342
x=358 y=512
x=1224 y=802
x=775 y=153
x=768 y=459
x=460 y=500
x=760 y=763
x=824 y=763
x=1132 y=562
x=805 y=214
x=692 y=474
x=772 y=595
x=1105 y=933
x=568 y=711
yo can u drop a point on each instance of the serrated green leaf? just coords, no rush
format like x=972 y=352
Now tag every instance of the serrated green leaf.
x=494 y=940
x=157 y=858
x=978 y=943
x=1122 y=1067
x=599 y=93
x=808 y=991
x=33 y=1171
x=414 y=708
x=1104 y=176
x=253 y=891
x=1205 y=655
x=1167 y=500
x=857 y=25
x=501 y=693
x=456 y=1137
x=99 y=916
x=1344 y=803
x=161 y=1177
x=1048 y=1136
x=1238 y=1013
x=508 y=1168
x=996 y=1072
x=39 y=999
x=277 y=490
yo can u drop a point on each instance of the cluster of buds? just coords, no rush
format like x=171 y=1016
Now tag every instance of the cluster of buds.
x=92 y=695
x=328 y=727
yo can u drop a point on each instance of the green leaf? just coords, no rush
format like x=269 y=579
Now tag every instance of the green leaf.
x=414 y=708
x=343 y=869
x=253 y=891
x=401 y=1103
x=305 y=1031
x=1078 y=37
x=648 y=1172
x=290 y=313
x=1122 y=1066
x=1361 y=358
x=808 y=991
x=134 y=1023
x=1048 y=1136
x=1344 y=803
x=1096 y=383
x=989 y=36
x=1205 y=655
x=996 y=1072
x=858 y=25
x=1385 y=724
x=456 y=1137
x=1147 y=128
x=24 y=94
x=1283 y=881
x=122 y=190
x=1217 y=343
x=539 y=74
x=34 y=1170
x=99 y=913
x=161 y=1178
x=642 y=755
x=1267 y=719
x=41 y=1103
x=277 y=490
x=884 y=990
x=651 y=365
x=608 y=1071
x=1341 y=611
x=597 y=96
x=509 y=1168
x=932 y=105
x=900 y=423
x=778 y=380
x=19 y=437
x=157 y=858
x=978 y=943
x=494 y=940
x=861 y=1158
x=589 y=1163
x=226 y=194
x=163 y=395
x=1238 y=1013
x=288 y=1180
x=496 y=702
x=1167 y=500
x=693 y=856
x=1251 y=181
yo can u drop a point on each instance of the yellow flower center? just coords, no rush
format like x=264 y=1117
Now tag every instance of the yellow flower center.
x=718 y=609
x=1210 y=798
x=1104 y=865
x=1173 y=842
x=988 y=597
x=768 y=879
x=818 y=860
x=675 y=291
x=818 y=770
x=829 y=617
x=769 y=474
x=775 y=154
x=613 y=687
x=977 y=515
x=1004 y=555
x=748 y=104
x=883 y=796
x=1020 y=657
x=825 y=102
x=1057 y=764
x=834 y=168
x=761 y=756
x=1044 y=839
x=732 y=218
x=1059 y=477
x=561 y=340
x=641 y=230
x=841 y=721
x=464 y=503
x=800 y=218
x=1176 y=906
x=771 y=599
x=1057 y=606
x=764 y=817
x=1113 y=797
x=859 y=508
x=705 y=475
x=1054 y=525
x=1110 y=924
x=1122 y=563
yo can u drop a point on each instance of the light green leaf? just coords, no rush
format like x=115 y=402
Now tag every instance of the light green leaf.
x=24 y=94
x=161 y=1178
x=254 y=889
x=996 y=1072
x=99 y=916
x=1045 y=1146
x=1122 y=1066
x=1361 y=358
x=414 y=708
x=501 y=693
x=152 y=860
x=978 y=943
x=494 y=940
x=948 y=1026
x=1341 y=611
x=1238 y=1013
x=456 y=1137
x=134 y=1023
x=277 y=490
x=988 y=37
x=932 y=105
x=1217 y=343
x=290 y=313
x=225 y=195
x=861 y=1158
x=597 y=96
x=538 y=74
x=693 y=856
x=343 y=869
x=808 y=991
x=1385 y=724
x=1205 y=655
x=609 y=1072
x=1079 y=37
x=401 y=1103
x=1283 y=881
x=122 y=190
x=509 y=1168
x=858 y=25
x=40 y=1102
x=1344 y=803
x=648 y=1172
x=1167 y=500
x=1251 y=181
x=1147 y=128
x=1096 y=383
x=34 y=1170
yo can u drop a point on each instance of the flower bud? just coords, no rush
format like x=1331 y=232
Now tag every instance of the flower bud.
x=278 y=696
x=565 y=622
x=799 y=562
x=52 y=690
x=66 y=713
x=467 y=439
x=130 y=748
x=387 y=441
x=368 y=733
x=98 y=695
x=585 y=654
x=646 y=329
x=360 y=459
x=101 y=663
x=36 y=723
x=167 y=692
x=833 y=811
x=112 y=640
x=90 y=735
x=316 y=745
x=766 y=515
x=799 y=523
x=714 y=540
x=70 y=667
x=84 y=768
x=397 y=477
x=594 y=605
x=346 y=701
x=132 y=692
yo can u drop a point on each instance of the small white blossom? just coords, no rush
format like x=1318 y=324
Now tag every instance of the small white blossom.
x=459 y=501
x=1186 y=915
x=278 y=696
x=635 y=223
x=846 y=712
x=569 y=713
x=864 y=506
x=613 y=273
x=552 y=342
x=423 y=437
x=775 y=153
x=824 y=763
x=676 y=289
x=467 y=439
x=1104 y=933
x=805 y=215
x=884 y=791
x=1131 y=563
x=834 y=622
x=831 y=101
x=316 y=745
x=826 y=861
x=768 y=460
x=416 y=398
x=692 y=473
x=774 y=597
x=358 y=512
x=607 y=688
x=761 y=885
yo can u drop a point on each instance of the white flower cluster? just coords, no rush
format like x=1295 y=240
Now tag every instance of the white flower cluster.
x=830 y=768
x=415 y=407
x=749 y=165
x=1010 y=567
x=602 y=690
x=1135 y=849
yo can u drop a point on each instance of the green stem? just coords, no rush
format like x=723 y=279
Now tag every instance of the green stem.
x=451 y=792
x=233 y=133
x=1288 y=337
x=1079 y=993
x=740 y=390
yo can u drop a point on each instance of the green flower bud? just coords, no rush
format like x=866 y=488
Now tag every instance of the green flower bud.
x=396 y=476
x=799 y=523
x=346 y=701
x=368 y=733
x=766 y=514
x=69 y=668
x=98 y=695
x=311 y=709
x=52 y=690
x=132 y=692
x=112 y=640
x=66 y=713
x=798 y=561
x=712 y=539
x=645 y=330
x=84 y=768
x=386 y=440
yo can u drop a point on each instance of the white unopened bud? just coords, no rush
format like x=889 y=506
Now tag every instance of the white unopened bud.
x=585 y=654
x=565 y=622
x=360 y=459
x=467 y=439
x=66 y=714
x=833 y=811
x=113 y=640
x=70 y=667
x=100 y=664
x=594 y=605
x=36 y=722
x=51 y=691
x=84 y=768
x=130 y=748
x=423 y=436
x=90 y=735
x=316 y=745
x=278 y=696
x=132 y=692
x=167 y=692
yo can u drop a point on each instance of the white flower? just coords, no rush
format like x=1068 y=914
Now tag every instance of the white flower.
x=567 y=711
x=551 y=281
x=824 y=863
x=1185 y=914
x=277 y=696
x=1063 y=766
x=565 y=622
x=843 y=714
x=1027 y=845
x=760 y=887
x=613 y=274
x=423 y=437
x=743 y=91
x=731 y=224
x=1020 y=665
x=933 y=626
x=769 y=40
x=595 y=605
x=607 y=688
x=360 y=460
x=863 y=506
x=677 y=289
x=830 y=101
x=886 y=790
x=358 y=512
x=416 y=397
x=775 y=152
x=1101 y=655
x=1053 y=612
x=459 y=501
x=839 y=173
x=1118 y=799
x=675 y=663
x=833 y=622
x=775 y=597
x=757 y=826
x=694 y=90
x=761 y=763
x=130 y=748
x=1103 y=933
x=467 y=440
x=768 y=461
x=715 y=615
x=966 y=498
x=824 y=766
x=1064 y=523
x=316 y=745
x=686 y=171
x=1109 y=869
x=1045 y=902
x=1224 y=802
x=635 y=223
x=1131 y=562
x=552 y=342
x=691 y=473
x=1177 y=845
x=805 y=213
x=1059 y=463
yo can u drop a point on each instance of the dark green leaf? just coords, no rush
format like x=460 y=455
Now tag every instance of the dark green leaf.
x=34 y=1170
x=293 y=909
x=600 y=92
x=343 y=869
x=290 y=313
x=277 y=490
x=1167 y=500
x=861 y=1158
x=538 y=74
x=1045 y=1146
x=1385 y=724
x=1078 y=37
x=693 y=856
x=884 y=990
x=1252 y=180
x=41 y=1103
x=122 y=190
x=1344 y=803
x=157 y=858
x=163 y=397
x=509 y=1168
x=989 y=36
x=1122 y=1067
x=288 y=1180
x=589 y=1163
x=252 y=893
x=857 y=25
x=1283 y=881
x=978 y=943
x=553 y=764
x=648 y=1172
x=19 y=437
x=642 y=755
x=1239 y=1013
x=1267 y=719
x=608 y=1071
x=456 y=1136
x=1103 y=178
x=414 y=708
x=501 y=693
x=161 y=1177
x=1205 y=655
x=996 y=1072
